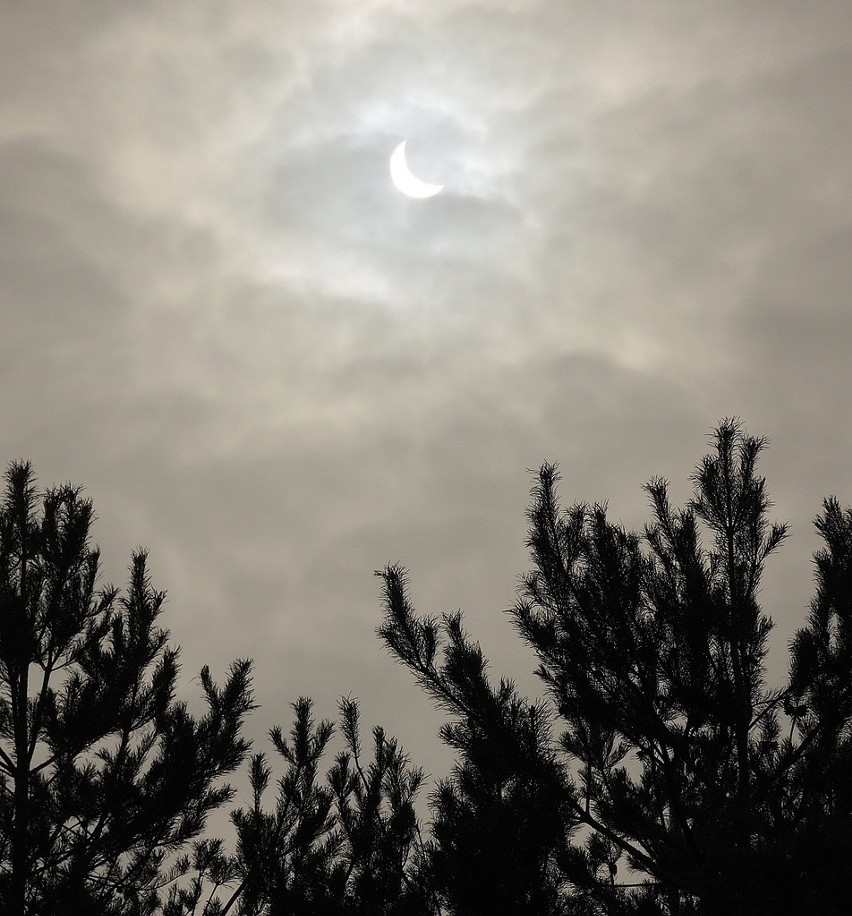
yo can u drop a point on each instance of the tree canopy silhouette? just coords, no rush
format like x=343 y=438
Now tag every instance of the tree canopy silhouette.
x=345 y=845
x=658 y=775
x=103 y=773
x=670 y=787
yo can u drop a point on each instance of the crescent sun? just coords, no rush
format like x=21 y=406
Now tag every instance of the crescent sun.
x=405 y=181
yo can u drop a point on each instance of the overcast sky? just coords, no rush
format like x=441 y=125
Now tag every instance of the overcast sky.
x=276 y=372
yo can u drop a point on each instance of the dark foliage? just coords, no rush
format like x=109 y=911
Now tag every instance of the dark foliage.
x=505 y=815
x=103 y=774
x=659 y=775
x=346 y=845
x=671 y=788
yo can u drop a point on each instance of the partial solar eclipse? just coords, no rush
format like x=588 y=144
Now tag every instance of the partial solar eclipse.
x=405 y=181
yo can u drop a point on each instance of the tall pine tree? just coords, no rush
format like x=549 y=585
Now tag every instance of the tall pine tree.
x=670 y=788
x=103 y=773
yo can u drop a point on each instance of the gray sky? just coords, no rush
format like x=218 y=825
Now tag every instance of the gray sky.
x=278 y=374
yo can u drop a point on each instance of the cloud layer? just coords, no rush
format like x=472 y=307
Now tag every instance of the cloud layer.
x=279 y=374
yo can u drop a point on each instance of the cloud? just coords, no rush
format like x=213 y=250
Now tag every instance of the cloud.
x=279 y=374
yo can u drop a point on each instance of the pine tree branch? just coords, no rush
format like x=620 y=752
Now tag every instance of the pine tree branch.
x=44 y=764
x=235 y=896
x=6 y=763
x=676 y=800
x=625 y=845
x=39 y=710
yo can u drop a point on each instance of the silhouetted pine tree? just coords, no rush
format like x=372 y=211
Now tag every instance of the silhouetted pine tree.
x=103 y=774
x=671 y=789
x=500 y=820
x=345 y=845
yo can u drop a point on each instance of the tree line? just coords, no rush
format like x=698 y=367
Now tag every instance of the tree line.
x=657 y=773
